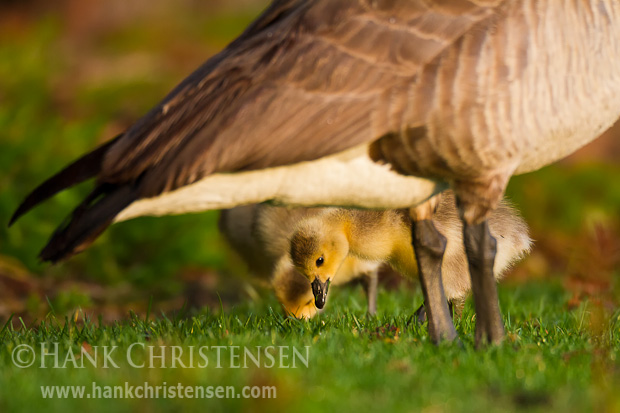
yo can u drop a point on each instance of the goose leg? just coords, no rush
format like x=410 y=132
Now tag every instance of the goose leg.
x=420 y=314
x=370 y=283
x=429 y=246
x=481 y=247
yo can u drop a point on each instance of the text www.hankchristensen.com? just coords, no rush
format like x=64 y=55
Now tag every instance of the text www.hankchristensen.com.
x=164 y=391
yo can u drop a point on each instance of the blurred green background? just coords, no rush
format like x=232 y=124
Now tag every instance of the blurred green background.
x=74 y=73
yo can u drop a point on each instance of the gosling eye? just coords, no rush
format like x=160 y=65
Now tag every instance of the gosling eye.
x=319 y=261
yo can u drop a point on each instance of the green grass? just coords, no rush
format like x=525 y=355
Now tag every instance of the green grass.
x=553 y=358
x=556 y=357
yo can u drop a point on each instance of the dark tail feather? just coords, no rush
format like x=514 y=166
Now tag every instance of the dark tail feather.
x=88 y=221
x=84 y=168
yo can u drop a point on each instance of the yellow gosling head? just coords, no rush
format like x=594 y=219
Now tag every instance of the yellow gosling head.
x=318 y=249
x=292 y=290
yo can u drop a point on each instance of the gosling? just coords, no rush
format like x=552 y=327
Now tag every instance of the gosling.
x=321 y=244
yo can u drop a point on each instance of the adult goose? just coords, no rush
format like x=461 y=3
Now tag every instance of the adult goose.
x=367 y=103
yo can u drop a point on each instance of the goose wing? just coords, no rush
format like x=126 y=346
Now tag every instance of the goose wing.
x=307 y=79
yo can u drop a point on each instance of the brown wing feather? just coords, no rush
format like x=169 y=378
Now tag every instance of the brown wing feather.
x=307 y=79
